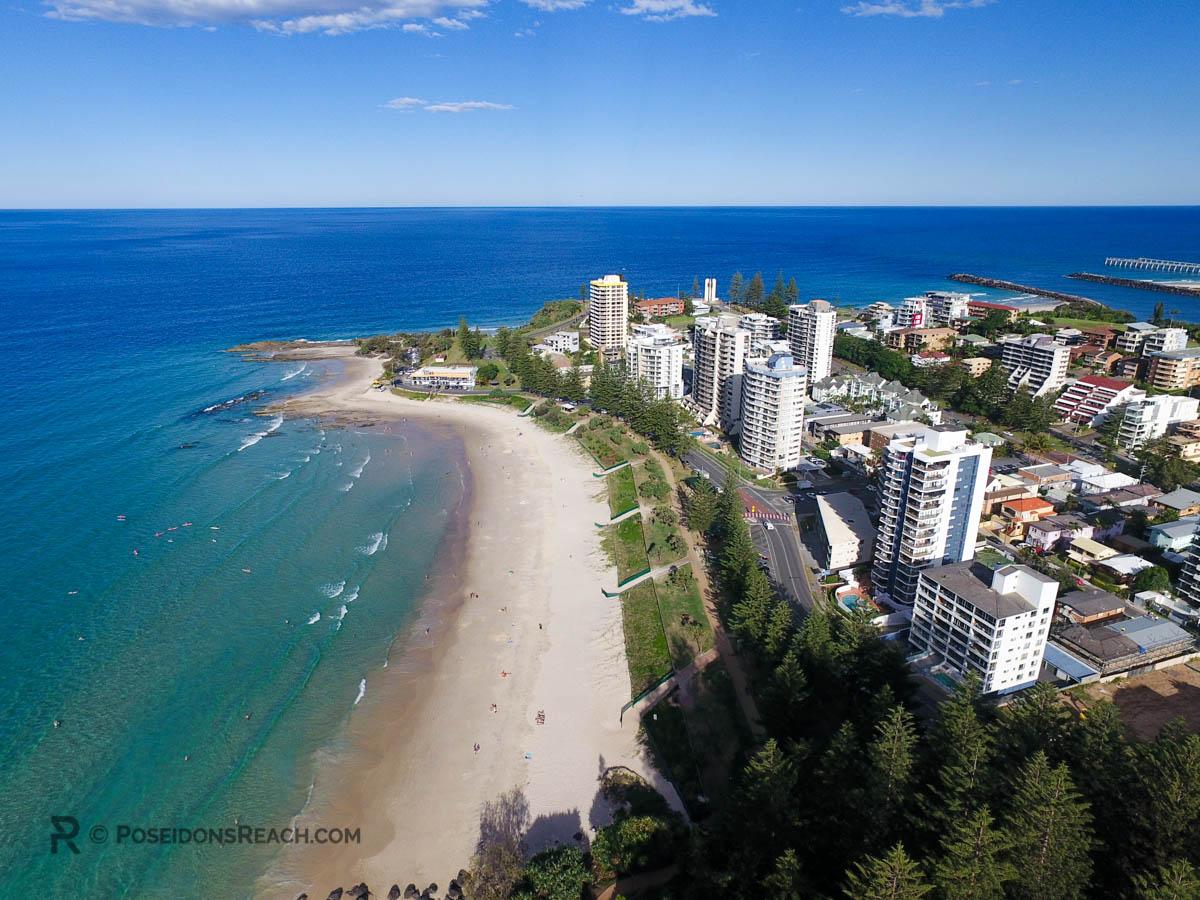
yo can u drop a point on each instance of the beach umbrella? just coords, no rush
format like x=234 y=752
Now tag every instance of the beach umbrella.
x=394 y=893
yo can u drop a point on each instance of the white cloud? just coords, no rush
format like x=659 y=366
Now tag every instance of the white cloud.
x=525 y=33
x=466 y=106
x=279 y=16
x=666 y=10
x=556 y=5
x=911 y=9
x=408 y=104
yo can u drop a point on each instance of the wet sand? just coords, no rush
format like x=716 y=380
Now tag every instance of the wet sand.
x=521 y=624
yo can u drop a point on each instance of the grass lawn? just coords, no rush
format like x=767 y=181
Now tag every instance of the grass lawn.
x=688 y=631
x=1067 y=322
x=992 y=558
x=658 y=537
x=664 y=731
x=645 y=644
x=411 y=395
x=626 y=547
x=622 y=493
x=681 y=321
x=516 y=401
x=609 y=445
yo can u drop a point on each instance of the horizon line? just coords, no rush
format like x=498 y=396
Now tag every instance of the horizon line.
x=537 y=206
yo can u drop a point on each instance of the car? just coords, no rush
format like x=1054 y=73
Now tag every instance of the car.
x=768 y=526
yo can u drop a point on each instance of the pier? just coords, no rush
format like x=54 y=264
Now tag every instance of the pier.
x=1021 y=288
x=1139 y=283
x=1144 y=262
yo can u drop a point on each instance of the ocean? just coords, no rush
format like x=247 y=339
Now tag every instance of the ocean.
x=199 y=595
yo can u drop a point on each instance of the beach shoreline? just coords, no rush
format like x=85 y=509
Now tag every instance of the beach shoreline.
x=521 y=624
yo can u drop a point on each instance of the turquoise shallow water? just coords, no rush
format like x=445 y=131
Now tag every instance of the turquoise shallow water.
x=111 y=331
x=196 y=668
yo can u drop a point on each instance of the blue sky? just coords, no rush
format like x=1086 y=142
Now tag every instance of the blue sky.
x=527 y=102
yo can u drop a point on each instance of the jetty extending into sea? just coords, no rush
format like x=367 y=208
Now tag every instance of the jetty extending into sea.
x=1145 y=262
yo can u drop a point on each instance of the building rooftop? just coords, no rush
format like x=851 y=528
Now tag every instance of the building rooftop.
x=1148 y=632
x=1113 y=384
x=1180 y=498
x=1058 y=523
x=1126 y=564
x=972 y=582
x=1092 y=602
x=1026 y=504
x=844 y=518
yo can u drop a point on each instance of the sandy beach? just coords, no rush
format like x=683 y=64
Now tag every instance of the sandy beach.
x=520 y=628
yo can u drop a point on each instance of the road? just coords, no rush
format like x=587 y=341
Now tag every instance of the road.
x=788 y=561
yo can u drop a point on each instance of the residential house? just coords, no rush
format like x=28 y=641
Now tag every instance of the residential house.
x=930 y=359
x=1124 y=567
x=1055 y=532
x=1120 y=644
x=1174 y=537
x=1002 y=487
x=1122 y=498
x=1018 y=514
x=1181 y=500
x=1090 y=605
x=1088 y=552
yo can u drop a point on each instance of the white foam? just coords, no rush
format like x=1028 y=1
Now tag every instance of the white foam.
x=357 y=473
x=338 y=616
x=314 y=619
x=283 y=476
x=275 y=423
x=290 y=375
x=346 y=487
x=353 y=595
x=377 y=542
x=333 y=589
x=251 y=440
x=362 y=691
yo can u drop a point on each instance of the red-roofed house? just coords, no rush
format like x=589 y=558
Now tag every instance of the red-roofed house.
x=660 y=307
x=1090 y=399
x=1019 y=514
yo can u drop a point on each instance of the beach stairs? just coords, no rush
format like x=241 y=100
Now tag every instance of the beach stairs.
x=617 y=519
x=604 y=473
x=574 y=428
x=646 y=574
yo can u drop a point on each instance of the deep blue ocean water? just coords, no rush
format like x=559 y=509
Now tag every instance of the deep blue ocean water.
x=112 y=326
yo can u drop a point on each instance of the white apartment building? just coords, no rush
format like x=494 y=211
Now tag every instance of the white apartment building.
x=1036 y=362
x=947 y=307
x=719 y=348
x=811 y=328
x=931 y=498
x=655 y=355
x=773 y=398
x=913 y=313
x=560 y=342
x=1150 y=417
x=992 y=623
x=1165 y=340
x=608 y=315
x=846 y=526
x=1143 y=338
x=761 y=326
x=1092 y=399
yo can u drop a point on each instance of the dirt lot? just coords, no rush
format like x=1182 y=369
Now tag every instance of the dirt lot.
x=1147 y=702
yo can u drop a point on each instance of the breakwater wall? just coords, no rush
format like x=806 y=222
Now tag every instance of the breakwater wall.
x=1139 y=283
x=1021 y=288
